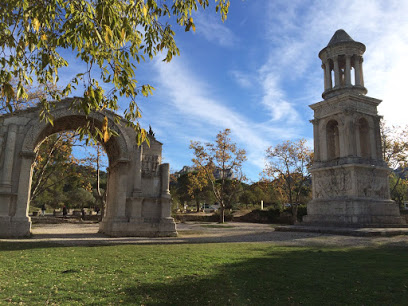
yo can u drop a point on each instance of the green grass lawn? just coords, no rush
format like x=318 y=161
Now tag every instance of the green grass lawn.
x=202 y=274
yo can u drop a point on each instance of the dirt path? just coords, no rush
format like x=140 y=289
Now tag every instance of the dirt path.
x=195 y=232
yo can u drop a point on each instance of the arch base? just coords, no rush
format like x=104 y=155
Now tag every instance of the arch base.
x=15 y=228
x=164 y=227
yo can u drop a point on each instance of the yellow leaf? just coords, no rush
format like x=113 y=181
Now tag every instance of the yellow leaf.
x=36 y=24
x=144 y=11
x=105 y=129
x=108 y=34
x=43 y=37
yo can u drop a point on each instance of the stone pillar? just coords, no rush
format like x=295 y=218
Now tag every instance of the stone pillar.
x=110 y=195
x=336 y=72
x=316 y=139
x=326 y=75
x=378 y=140
x=361 y=72
x=357 y=73
x=342 y=138
x=358 y=146
x=323 y=141
x=24 y=185
x=351 y=137
x=9 y=158
x=165 y=192
x=347 y=71
x=137 y=182
x=373 y=145
x=121 y=188
x=165 y=179
x=327 y=71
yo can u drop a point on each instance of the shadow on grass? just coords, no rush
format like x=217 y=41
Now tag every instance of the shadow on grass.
x=72 y=240
x=308 y=276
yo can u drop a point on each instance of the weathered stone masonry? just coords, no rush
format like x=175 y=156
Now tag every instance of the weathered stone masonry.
x=138 y=197
x=349 y=176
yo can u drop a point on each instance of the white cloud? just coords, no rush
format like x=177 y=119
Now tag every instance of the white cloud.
x=243 y=79
x=298 y=31
x=273 y=97
x=212 y=28
x=201 y=113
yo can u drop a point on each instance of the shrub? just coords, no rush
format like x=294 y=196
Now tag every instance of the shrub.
x=302 y=211
x=227 y=215
x=273 y=214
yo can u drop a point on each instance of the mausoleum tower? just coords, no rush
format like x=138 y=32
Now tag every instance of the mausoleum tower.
x=349 y=176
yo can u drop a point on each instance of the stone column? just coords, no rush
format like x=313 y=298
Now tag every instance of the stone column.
x=357 y=73
x=327 y=78
x=358 y=146
x=378 y=140
x=361 y=72
x=121 y=188
x=352 y=137
x=336 y=72
x=165 y=192
x=137 y=181
x=323 y=141
x=24 y=185
x=316 y=138
x=137 y=199
x=373 y=146
x=9 y=158
x=347 y=71
x=342 y=138
x=165 y=179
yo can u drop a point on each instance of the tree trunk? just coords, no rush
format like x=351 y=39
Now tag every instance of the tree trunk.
x=222 y=213
x=294 y=213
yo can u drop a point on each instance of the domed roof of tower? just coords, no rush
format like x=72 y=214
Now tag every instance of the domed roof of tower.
x=338 y=37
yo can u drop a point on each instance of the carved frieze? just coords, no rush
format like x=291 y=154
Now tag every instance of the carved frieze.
x=372 y=184
x=150 y=165
x=332 y=183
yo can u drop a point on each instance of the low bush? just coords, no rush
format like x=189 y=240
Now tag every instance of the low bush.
x=302 y=211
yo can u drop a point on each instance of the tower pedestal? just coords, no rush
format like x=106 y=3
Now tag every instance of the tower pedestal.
x=353 y=212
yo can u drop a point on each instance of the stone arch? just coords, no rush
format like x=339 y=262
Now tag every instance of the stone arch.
x=127 y=189
x=66 y=119
x=332 y=139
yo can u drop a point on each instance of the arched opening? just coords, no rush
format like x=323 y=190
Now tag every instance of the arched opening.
x=333 y=141
x=363 y=130
x=116 y=148
x=69 y=180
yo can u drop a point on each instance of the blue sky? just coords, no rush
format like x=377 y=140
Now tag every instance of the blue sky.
x=257 y=73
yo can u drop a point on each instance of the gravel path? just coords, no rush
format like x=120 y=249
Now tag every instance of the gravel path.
x=194 y=232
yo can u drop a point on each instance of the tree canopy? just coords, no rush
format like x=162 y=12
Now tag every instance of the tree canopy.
x=109 y=36
x=287 y=165
x=224 y=159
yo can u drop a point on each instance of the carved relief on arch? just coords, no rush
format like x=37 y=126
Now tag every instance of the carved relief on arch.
x=150 y=165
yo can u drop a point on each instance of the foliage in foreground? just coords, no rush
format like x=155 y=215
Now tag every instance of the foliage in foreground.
x=201 y=274
x=109 y=37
